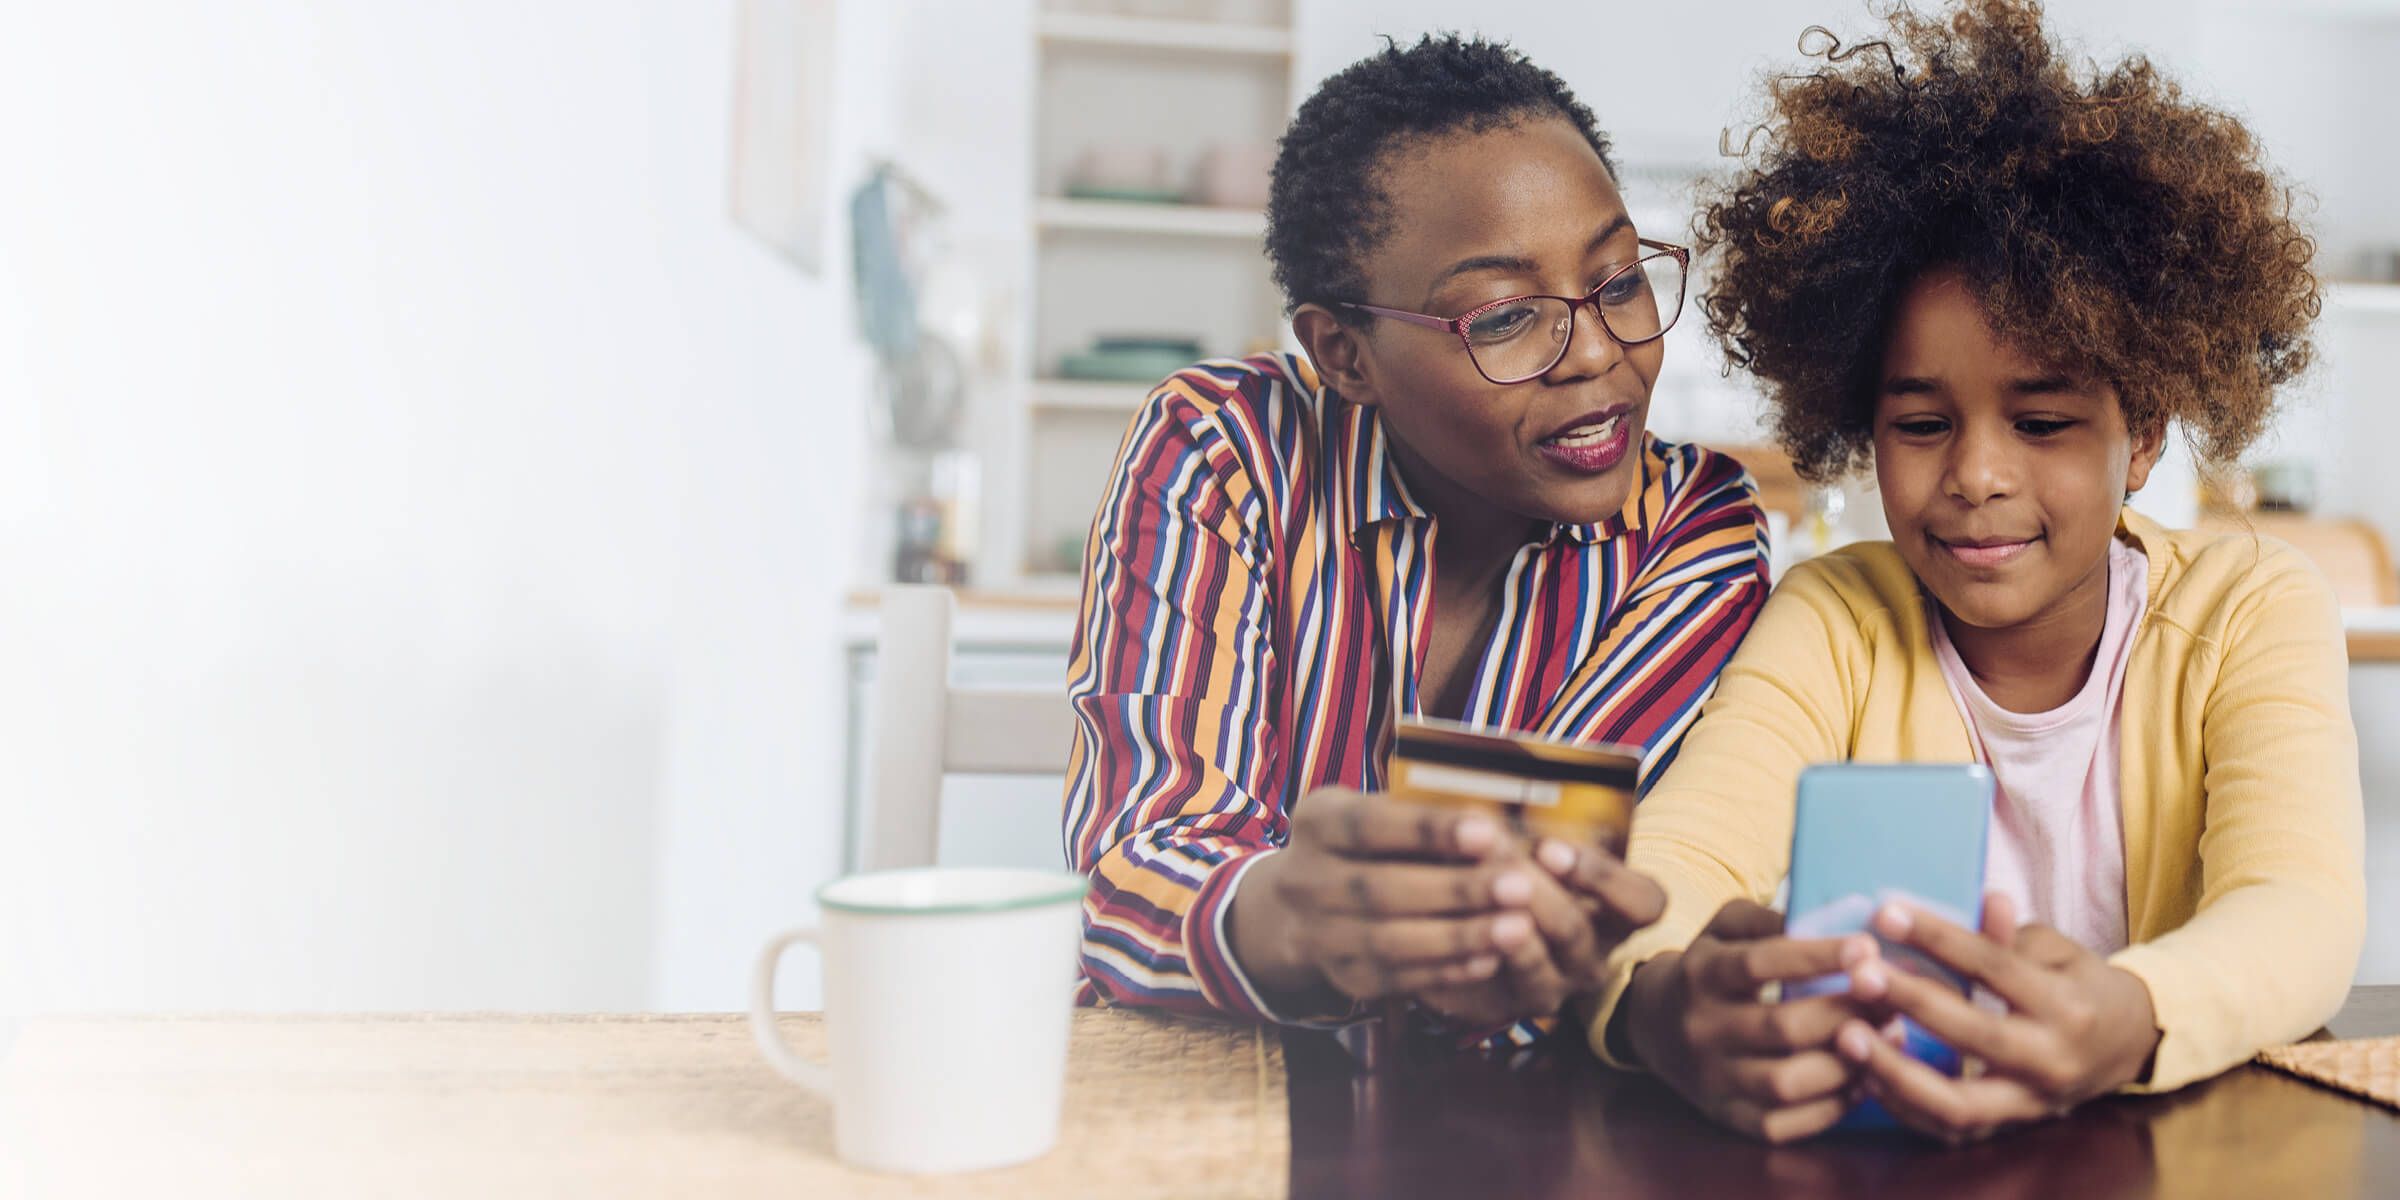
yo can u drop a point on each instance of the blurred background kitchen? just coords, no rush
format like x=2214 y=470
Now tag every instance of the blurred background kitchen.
x=448 y=450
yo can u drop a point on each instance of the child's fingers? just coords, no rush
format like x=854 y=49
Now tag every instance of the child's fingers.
x=1775 y=1029
x=1785 y=1124
x=1782 y=1081
x=1922 y=1098
x=1744 y=921
x=2025 y=985
x=2000 y=918
x=2009 y=1043
x=1741 y=969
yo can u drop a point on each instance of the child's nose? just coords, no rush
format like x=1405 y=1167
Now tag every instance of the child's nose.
x=1982 y=468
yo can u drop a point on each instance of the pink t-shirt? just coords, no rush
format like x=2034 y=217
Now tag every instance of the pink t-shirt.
x=2057 y=842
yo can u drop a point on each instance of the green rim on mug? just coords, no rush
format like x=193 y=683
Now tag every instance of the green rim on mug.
x=1062 y=887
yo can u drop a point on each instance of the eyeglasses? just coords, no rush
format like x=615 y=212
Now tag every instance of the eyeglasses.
x=1522 y=337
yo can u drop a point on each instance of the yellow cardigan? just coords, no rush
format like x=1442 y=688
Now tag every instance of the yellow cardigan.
x=2245 y=898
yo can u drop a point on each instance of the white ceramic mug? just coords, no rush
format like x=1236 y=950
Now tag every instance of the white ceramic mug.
x=948 y=993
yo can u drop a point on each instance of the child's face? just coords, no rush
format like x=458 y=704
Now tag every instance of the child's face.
x=2001 y=476
x=1483 y=216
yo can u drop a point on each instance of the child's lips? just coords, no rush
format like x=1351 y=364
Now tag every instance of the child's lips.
x=1986 y=553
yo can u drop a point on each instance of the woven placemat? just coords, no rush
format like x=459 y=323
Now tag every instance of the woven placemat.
x=2365 y=1067
x=585 y=1106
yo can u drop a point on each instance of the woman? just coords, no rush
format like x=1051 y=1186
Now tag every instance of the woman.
x=1450 y=507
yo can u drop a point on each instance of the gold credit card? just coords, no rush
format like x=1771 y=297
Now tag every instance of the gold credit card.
x=1579 y=792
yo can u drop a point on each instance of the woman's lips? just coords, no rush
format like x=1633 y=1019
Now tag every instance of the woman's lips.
x=1591 y=447
x=1986 y=552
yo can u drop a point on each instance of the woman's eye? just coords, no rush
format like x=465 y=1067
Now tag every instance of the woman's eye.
x=1501 y=323
x=2037 y=427
x=1625 y=288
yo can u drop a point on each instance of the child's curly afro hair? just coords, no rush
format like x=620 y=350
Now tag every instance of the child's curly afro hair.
x=2107 y=224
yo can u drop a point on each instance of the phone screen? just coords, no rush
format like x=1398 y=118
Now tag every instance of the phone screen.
x=1866 y=835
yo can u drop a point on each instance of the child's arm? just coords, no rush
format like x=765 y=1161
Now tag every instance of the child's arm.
x=2270 y=953
x=2266 y=958
x=1718 y=826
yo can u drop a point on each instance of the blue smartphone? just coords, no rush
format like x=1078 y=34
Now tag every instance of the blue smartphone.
x=1865 y=835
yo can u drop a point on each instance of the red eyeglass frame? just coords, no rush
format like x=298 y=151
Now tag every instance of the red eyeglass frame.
x=1458 y=325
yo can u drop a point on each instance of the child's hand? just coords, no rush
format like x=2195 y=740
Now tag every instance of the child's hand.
x=1768 y=1070
x=2076 y=1027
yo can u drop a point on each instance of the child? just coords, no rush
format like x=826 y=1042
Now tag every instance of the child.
x=1999 y=281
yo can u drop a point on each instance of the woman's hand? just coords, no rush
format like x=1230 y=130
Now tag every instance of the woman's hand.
x=1768 y=1070
x=1377 y=897
x=2076 y=1027
x=1584 y=902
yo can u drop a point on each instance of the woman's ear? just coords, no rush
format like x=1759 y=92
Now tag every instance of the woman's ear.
x=1339 y=352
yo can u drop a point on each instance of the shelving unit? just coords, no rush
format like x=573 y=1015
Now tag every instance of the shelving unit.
x=1190 y=38
x=1088 y=395
x=1060 y=215
x=1128 y=85
x=2351 y=296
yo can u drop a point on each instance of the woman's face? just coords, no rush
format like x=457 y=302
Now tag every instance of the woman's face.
x=2001 y=477
x=1480 y=216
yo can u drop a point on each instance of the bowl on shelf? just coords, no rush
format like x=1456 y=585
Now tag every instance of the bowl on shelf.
x=1123 y=171
x=1131 y=358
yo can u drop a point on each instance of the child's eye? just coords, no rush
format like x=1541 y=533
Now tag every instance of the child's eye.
x=2041 y=428
x=1921 y=427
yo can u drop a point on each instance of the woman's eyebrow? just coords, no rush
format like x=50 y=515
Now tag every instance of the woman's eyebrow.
x=1518 y=263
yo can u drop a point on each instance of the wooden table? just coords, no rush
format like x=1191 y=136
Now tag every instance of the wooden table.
x=629 y=1105
x=1562 y=1125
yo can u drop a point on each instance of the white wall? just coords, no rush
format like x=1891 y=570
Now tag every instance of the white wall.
x=1665 y=80
x=422 y=514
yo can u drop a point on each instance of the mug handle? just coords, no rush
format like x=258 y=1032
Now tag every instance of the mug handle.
x=811 y=1075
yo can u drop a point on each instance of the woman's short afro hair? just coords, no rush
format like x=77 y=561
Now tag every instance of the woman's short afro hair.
x=2106 y=223
x=1326 y=207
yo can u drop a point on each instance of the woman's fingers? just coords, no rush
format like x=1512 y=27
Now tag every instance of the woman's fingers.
x=1412 y=941
x=1368 y=887
x=1629 y=898
x=1570 y=942
x=1353 y=824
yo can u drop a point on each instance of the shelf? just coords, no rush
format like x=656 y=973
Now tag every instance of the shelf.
x=1053 y=214
x=1089 y=395
x=1179 y=37
x=2350 y=296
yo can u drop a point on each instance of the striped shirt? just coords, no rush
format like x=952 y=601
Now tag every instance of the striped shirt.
x=1257 y=593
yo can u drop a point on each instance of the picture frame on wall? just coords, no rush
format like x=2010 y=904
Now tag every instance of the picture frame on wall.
x=783 y=125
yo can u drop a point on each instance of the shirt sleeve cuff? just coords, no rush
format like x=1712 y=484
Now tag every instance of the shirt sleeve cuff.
x=1209 y=944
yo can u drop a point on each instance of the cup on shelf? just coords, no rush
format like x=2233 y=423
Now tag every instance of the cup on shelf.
x=1123 y=171
x=1233 y=175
